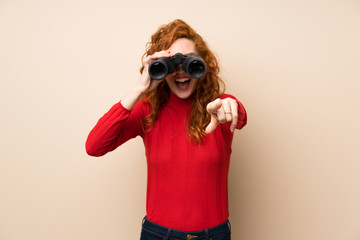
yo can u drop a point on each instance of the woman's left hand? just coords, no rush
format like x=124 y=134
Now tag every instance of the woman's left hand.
x=222 y=111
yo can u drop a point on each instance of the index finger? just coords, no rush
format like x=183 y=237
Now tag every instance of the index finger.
x=213 y=106
x=150 y=58
x=160 y=54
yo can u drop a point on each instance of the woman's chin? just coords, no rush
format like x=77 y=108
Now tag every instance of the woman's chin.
x=183 y=95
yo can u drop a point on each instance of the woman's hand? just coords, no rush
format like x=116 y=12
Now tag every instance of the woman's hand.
x=222 y=111
x=145 y=83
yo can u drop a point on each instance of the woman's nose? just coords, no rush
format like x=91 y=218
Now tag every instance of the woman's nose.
x=178 y=68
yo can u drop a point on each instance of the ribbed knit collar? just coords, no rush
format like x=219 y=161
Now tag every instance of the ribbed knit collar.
x=176 y=101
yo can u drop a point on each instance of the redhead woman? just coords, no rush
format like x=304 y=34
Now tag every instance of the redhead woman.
x=187 y=126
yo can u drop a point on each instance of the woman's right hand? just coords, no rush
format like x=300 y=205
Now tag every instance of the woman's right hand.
x=145 y=83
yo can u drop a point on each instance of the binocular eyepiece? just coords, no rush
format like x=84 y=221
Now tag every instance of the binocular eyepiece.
x=192 y=64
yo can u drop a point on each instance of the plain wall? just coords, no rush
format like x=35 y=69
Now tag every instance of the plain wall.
x=295 y=169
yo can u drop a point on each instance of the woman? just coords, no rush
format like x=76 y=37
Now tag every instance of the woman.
x=187 y=128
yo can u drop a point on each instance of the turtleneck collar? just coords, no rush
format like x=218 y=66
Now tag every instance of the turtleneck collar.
x=175 y=100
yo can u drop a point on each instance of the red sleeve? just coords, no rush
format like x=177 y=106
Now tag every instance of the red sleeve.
x=242 y=115
x=113 y=129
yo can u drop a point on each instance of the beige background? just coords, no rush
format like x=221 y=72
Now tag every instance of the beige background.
x=295 y=169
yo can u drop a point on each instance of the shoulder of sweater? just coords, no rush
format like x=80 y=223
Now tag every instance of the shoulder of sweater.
x=144 y=98
x=143 y=104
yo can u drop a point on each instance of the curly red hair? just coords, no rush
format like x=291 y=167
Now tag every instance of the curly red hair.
x=208 y=88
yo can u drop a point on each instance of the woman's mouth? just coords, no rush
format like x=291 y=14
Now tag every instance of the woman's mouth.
x=182 y=83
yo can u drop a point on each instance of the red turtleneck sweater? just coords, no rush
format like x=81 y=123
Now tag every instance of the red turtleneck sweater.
x=187 y=186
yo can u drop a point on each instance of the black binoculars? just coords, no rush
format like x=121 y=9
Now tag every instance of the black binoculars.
x=192 y=64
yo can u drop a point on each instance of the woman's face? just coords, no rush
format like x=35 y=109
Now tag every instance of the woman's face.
x=179 y=81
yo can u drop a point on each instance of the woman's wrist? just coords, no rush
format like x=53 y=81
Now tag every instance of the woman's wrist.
x=132 y=98
x=140 y=90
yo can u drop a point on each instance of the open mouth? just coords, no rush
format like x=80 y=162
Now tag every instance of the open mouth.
x=183 y=83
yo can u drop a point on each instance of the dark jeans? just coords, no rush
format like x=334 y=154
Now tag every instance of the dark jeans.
x=153 y=231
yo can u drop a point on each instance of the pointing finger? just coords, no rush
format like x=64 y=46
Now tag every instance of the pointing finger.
x=212 y=125
x=213 y=106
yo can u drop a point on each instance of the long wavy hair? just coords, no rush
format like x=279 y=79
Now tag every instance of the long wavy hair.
x=207 y=89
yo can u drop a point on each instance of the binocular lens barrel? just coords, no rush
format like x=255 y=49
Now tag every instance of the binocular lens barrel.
x=158 y=70
x=193 y=65
x=196 y=69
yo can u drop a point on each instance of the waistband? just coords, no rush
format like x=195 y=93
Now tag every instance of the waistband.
x=168 y=233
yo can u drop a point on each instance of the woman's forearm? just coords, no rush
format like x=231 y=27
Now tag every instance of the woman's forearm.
x=132 y=98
